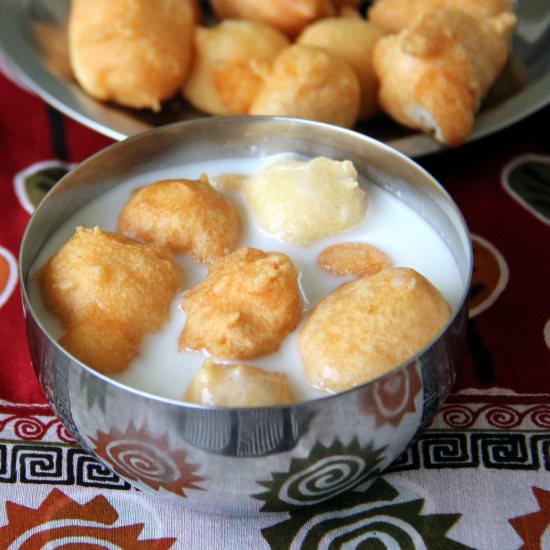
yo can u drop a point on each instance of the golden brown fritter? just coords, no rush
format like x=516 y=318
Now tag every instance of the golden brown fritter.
x=108 y=291
x=288 y=17
x=238 y=386
x=246 y=306
x=353 y=40
x=183 y=216
x=359 y=259
x=395 y=15
x=228 y=63
x=106 y=345
x=309 y=82
x=434 y=73
x=365 y=328
x=134 y=52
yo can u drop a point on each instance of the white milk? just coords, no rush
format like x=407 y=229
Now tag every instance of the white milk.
x=163 y=370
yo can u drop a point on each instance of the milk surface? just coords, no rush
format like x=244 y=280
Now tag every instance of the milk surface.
x=161 y=369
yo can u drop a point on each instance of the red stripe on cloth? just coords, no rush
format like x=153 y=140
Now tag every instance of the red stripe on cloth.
x=505 y=399
x=25 y=138
x=512 y=328
x=26 y=409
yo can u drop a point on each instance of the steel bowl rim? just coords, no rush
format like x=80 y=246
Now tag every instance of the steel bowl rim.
x=246 y=119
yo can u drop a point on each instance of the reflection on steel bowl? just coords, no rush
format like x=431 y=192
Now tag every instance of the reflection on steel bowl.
x=242 y=460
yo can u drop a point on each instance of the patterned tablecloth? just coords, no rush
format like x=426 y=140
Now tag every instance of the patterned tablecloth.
x=477 y=478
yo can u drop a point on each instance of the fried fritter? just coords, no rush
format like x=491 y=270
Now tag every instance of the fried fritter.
x=353 y=40
x=134 y=52
x=357 y=259
x=183 y=216
x=246 y=306
x=108 y=291
x=239 y=386
x=304 y=201
x=288 y=17
x=395 y=15
x=309 y=82
x=434 y=73
x=229 y=60
x=106 y=345
x=367 y=327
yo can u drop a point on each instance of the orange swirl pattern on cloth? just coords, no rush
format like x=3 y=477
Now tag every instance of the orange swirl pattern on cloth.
x=61 y=522
x=137 y=456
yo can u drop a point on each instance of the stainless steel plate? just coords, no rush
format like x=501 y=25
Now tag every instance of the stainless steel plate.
x=32 y=40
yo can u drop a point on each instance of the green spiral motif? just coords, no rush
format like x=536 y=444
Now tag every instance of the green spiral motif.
x=323 y=480
x=373 y=519
x=324 y=474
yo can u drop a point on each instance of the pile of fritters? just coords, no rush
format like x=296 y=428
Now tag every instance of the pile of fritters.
x=426 y=63
x=110 y=290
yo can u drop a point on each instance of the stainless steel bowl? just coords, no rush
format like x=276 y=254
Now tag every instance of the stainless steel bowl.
x=242 y=460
